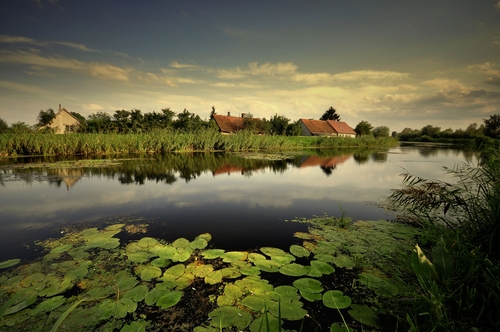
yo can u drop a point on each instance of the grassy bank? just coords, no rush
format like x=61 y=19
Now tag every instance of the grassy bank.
x=457 y=262
x=167 y=141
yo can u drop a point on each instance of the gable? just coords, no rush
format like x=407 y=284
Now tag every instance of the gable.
x=318 y=127
x=228 y=124
x=341 y=127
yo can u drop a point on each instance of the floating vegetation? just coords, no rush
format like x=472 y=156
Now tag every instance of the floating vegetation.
x=88 y=280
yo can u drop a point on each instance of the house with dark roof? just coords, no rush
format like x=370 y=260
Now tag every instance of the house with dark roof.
x=64 y=122
x=326 y=128
x=231 y=124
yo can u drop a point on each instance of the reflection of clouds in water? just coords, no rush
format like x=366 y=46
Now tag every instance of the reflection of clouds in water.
x=38 y=203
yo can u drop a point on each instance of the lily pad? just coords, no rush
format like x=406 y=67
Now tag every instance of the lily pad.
x=213 y=278
x=61 y=249
x=232 y=291
x=291 y=310
x=309 y=285
x=166 y=252
x=212 y=253
x=150 y=272
x=252 y=257
x=263 y=322
x=323 y=267
x=268 y=265
x=364 y=314
x=147 y=242
x=135 y=326
x=229 y=316
x=181 y=243
x=137 y=293
x=230 y=272
x=299 y=251
x=257 y=302
x=9 y=263
x=169 y=300
x=233 y=256
x=283 y=259
x=335 y=299
x=140 y=256
x=294 y=270
x=199 y=243
x=311 y=297
x=344 y=261
x=270 y=251
x=51 y=304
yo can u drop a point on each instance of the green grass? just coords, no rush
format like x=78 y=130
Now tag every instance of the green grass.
x=457 y=264
x=169 y=141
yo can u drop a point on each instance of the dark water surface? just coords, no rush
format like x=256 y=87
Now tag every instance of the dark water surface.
x=241 y=200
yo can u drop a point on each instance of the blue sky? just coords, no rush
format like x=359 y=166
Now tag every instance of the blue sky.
x=394 y=63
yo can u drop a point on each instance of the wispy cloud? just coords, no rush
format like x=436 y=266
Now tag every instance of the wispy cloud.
x=497 y=5
x=32 y=89
x=6 y=39
x=101 y=71
x=177 y=65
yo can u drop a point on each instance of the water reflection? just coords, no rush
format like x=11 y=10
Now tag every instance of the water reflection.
x=241 y=199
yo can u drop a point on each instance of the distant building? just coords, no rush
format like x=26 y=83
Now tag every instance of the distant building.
x=326 y=128
x=231 y=124
x=64 y=122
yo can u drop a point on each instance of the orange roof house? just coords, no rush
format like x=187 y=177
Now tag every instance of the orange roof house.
x=230 y=124
x=326 y=128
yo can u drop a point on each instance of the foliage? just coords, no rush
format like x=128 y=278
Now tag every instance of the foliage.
x=20 y=128
x=462 y=220
x=492 y=126
x=45 y=117
x=3 y=126
x=363 y=128
x=382 y=131
x=330 y=114
x=279 y=124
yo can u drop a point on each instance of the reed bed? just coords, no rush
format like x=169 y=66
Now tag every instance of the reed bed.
x=160 y=141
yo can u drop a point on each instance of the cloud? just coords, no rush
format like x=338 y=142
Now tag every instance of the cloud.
x=76 y=46
x=101 y=71
x=6 y=39
x=493 y=81
x=177 y=65
x=92 y=107
x=497 y=5
x=371 y=75
x=22 y=87
x=254 y=69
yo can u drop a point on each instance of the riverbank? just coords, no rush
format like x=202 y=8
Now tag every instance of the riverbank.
x=170 y=141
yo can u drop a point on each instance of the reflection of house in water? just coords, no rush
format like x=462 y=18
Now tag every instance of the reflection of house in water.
x=69 y=176
x=227 y=168
x=327 y=164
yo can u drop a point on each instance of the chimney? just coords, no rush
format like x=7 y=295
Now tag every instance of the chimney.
x=59 y=106
x=228 y=113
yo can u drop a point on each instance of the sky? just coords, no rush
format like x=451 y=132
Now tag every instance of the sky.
x=401 y=64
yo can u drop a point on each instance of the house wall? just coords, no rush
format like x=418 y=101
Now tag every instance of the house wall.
x=305 y=131
x=63 y=122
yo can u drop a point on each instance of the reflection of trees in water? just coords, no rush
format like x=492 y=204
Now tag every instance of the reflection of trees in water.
x=328 y=170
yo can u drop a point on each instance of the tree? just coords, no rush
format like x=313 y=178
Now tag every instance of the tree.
x=20 y=128
x=431 y=131
x=45 y=117
x=492 y=126
x=279 y=123
x=363 y=128
x=330 y=114
x=474 y=131
x=294 y=129
x=3 y=126
x=99 y=122
x=188 y=122
x=382 y=131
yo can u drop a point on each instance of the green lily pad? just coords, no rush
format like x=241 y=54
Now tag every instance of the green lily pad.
x=51 y=304
x=344 y=261
x=137 y=293
x=140 y=256
x=205 y=236
x=135 y=326
x=230 y=272
x=181 y=243
x=150 y=272
x=175 y=271
x=327 y=258
x=299 y=251
x=283 y=259
x=290 y=310
x=311 y=297
x=294 y=270
x=252 y=257
x=250 y=271
x=286 y=292
x=33 y=280
x=309 y=285
x=258 y=302
x=124 y=306
x=161 y=262
x=314 y=273
x=78 y=254
x=268 y=265
x=181 y=255
x=335 y=299
x=214 y=277
x=337 y=328
x=262 y=323
x=19 y=306
x=233 y=256
x=201 y=271
x=364 y=314
x=56 y=286
x=167 y=252
x=270 y=251
x=224 y=300
x=229 y=316
x=254 y=285
x=199 y=243
x=147 y=242
x=125 y=281
x=61 y=249
x=232 y=291
x=212 y=253
x=154 y=294
x=323 y=267
x=169 y=300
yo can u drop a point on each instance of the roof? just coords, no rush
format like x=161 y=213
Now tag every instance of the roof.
x=324 y=161
x=318 y=127
x=341 y=127
x=228 y=124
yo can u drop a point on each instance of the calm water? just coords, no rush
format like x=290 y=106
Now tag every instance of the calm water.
x=242 y=201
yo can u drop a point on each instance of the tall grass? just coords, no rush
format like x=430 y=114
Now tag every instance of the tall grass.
x=460 y=288
x=167 y=141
